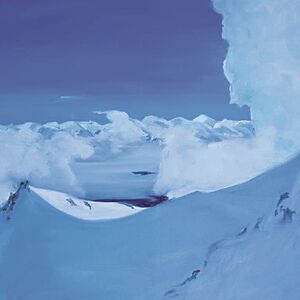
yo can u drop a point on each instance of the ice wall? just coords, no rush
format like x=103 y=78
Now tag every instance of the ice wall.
x=263 y=68
x=263 y=63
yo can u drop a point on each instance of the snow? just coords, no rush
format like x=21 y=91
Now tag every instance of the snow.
x=263 y=63
x=144 y=255
x=189 y=164
x=53 y=155
x=263 y=263
x=205 y=120
x=230 y=228
x=85 y=209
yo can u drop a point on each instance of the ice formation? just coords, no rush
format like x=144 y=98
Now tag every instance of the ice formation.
x=263 y=63
x=262 y=66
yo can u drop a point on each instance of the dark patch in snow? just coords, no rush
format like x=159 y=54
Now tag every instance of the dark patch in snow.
x=150 y=201
x=143 y=173
x=129 y=205
x=171 y=293
x=283 y=197
x=286 y=212
x=287 y=215
x=71 y=201
x=190 y=278
x=243 y=231
x=8 y=206
x=86 y=203
x=279 y=207
x=258 y=223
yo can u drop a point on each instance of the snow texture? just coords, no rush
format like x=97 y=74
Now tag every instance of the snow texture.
x=263 y=63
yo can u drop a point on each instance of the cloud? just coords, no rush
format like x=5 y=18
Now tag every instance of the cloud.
x=68 y=98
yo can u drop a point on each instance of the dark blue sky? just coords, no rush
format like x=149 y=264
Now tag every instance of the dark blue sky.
x=161 y=57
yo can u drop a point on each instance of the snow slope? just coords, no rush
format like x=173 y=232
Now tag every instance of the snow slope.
x=264 y=264
x=46 y=253
x=84 y=209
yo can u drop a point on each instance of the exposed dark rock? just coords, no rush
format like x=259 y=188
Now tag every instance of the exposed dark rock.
x=287 y=215
x=9 y=205
x=190 y=278
x=283 y=196
x=86 y=203
x=71 y=201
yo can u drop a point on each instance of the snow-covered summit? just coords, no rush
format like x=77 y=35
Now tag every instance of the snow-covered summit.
x=119 y=123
